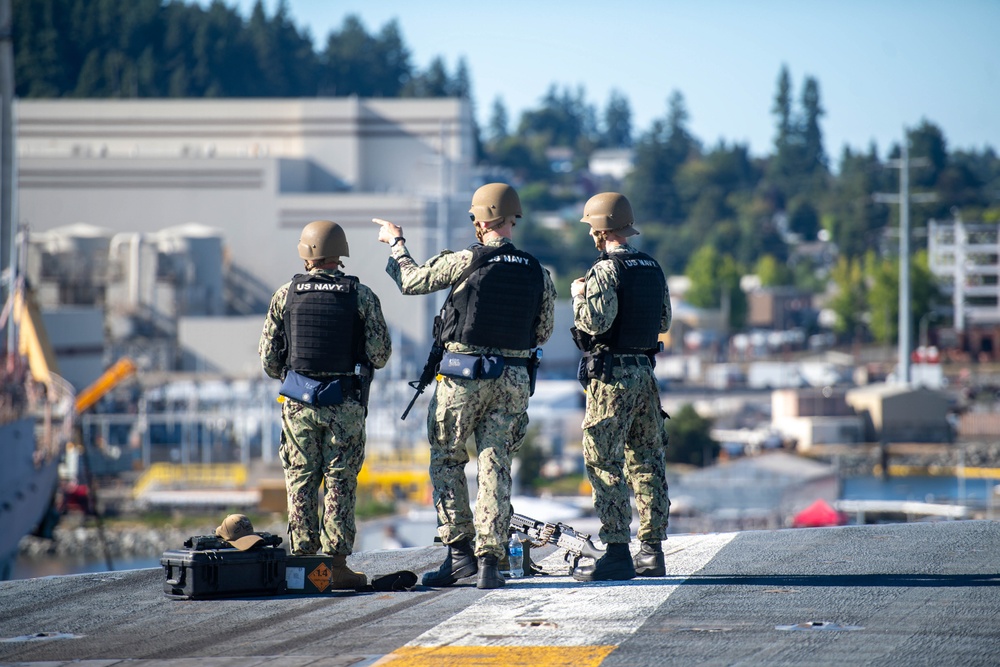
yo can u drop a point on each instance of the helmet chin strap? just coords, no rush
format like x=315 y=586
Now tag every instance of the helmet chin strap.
x=324 y=263
x=490 y=226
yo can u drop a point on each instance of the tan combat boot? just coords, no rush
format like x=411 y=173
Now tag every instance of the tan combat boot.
x=343 y=578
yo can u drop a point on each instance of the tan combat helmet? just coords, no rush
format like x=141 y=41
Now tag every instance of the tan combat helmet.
x=322 y=238
x=610 y=212
x=495 y=201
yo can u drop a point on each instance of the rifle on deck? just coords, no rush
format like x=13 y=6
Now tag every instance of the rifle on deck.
x=426 y=376
x=206 y=542
x=577 y=545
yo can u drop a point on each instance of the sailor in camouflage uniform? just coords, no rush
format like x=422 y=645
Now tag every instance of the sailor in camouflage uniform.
x=619 y=310
x=326 y=326
x=500 y=308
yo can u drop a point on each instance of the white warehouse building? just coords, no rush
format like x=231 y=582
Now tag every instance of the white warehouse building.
x=214 y=193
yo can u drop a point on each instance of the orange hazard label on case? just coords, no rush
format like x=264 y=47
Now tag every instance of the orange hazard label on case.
x=320 y=577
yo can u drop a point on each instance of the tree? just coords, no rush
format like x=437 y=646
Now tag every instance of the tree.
x=854 y=217
x=851 y=296
x=393 y=61
x=681 y=144
x=782 y=162
x=617 y=122
x=703 y=271
x=771 y=272
x=735 y=300
x=432 y=83
x=797 y=170
x=564 y=119
x=461 y=85
x=497 y=130
x=803 y=219
x=883 y=297
x=709 y=185
x=690 y=439
x=531 y=458
x=813 y=155
x=659 y=155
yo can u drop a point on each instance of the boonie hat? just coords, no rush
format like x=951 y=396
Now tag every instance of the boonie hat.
x=238 y=531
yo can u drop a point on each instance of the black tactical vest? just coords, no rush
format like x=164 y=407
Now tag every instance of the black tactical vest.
x=497 y=302
x=641 y=288
x=324 y=332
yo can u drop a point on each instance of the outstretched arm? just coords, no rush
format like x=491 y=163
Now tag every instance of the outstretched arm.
x=439 y=272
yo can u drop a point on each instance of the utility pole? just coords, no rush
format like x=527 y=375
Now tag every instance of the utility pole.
x=903 y=199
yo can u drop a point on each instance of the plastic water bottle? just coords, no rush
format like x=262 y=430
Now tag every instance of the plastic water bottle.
x=515 y=554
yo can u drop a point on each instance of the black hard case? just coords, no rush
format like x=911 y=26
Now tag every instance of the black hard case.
x=219 y=573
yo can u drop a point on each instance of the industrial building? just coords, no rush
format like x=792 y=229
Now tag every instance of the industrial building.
x=161 y=211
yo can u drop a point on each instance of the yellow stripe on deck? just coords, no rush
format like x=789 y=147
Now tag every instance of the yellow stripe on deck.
x=496 y=656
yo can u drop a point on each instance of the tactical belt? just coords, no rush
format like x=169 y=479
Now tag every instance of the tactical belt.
x=631 y=361
x=477 y=366
x=325 y=392
x=599 y=365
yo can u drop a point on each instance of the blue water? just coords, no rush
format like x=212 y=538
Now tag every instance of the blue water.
x=947 y=490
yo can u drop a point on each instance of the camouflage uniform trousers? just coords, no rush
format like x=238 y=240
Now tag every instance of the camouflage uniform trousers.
x=624 y=445
x=495 y=413
x=322 y=444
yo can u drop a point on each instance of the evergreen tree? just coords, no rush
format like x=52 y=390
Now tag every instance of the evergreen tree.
x=854 y=218
x=498 y=122
x=782 y=162
x=432 y=83
x=564 y=119
x=461 y=84
x=392 y=61
x=617 y=122
x=659 y=154
x=813 y=156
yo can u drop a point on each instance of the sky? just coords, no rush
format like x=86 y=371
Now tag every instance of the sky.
x=881 y=65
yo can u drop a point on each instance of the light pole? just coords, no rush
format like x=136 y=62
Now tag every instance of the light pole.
x=903 y=199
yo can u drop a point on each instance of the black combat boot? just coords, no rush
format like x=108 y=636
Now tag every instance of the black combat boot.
x=458 y=564
x=489 y=573
x=614 y=565
x=649 y=561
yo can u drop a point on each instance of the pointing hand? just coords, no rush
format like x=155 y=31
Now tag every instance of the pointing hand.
x=388 y=232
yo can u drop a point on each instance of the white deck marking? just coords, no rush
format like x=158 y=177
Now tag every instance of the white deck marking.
x=558 y=611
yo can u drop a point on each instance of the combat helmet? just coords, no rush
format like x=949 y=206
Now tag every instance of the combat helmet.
x=610 y=212
x=323 y=238
x=495 y=201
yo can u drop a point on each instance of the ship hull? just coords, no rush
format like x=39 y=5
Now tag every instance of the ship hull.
x=26 y=488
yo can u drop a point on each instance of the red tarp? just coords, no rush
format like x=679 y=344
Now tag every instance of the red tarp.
x=818 y=515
